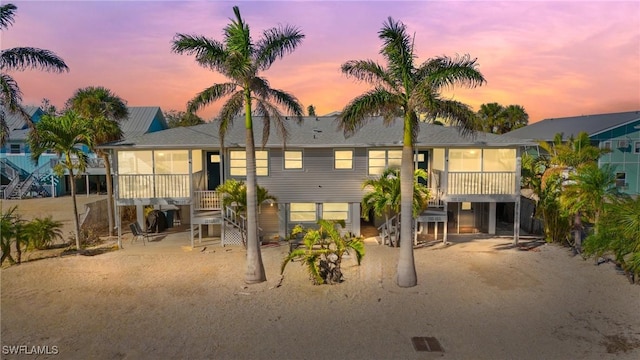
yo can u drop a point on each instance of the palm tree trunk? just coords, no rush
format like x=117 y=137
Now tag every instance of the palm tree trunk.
x=255 y=269
x=108 y=179
x=578 y=233
x=72 y=182
x=406 y=276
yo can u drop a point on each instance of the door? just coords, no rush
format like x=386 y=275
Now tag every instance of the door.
x=213 y=170
x=422 y=162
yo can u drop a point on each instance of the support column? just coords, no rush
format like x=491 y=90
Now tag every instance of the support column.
x=492 y=218
x=516 y=221
x=140 y=217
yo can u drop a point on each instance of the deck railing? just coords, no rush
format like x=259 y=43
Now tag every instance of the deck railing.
x=153 y=186
x=481 y=183
x=207 y=200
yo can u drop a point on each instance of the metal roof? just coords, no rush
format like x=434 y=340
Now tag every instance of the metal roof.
x=318 y=132
x=572 y=126
x=139 y=120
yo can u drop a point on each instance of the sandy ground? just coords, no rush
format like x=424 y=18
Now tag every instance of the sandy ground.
x=480 y=298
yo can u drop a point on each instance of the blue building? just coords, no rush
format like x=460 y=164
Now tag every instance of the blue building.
x=21 y=177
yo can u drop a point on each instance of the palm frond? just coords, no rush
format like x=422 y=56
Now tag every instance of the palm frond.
x=237 y=37
x=7 y=12
x=398 y=50
x=360 y=110
x=209 y=53
x=209 y=95
x=10 y=94
x=98 y=101
x=446 y=72
x=275 y=43
x=368 y=71
x=22 y=58
x=229 y=110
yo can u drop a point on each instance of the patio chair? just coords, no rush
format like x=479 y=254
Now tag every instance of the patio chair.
x=137 y=232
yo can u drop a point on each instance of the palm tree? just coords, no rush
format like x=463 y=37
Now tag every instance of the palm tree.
x=240 y=59
x=104 y=110
x=402 y=89
x=65 y=135
x=489 y=117
x=384 y=195
x=41 y=232
x=515 y=117
x=19 y=59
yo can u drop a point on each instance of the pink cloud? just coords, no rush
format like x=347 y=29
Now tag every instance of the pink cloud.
x=554 y=58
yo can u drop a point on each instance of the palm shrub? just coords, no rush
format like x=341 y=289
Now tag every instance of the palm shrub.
x=556 y=220
x=7 y=234
x=618 y=233
x=322 y=251
x=235 y=195
x=42 y=232
x=383 y=196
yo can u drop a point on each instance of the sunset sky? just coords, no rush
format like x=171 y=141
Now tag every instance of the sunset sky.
x=555 y=58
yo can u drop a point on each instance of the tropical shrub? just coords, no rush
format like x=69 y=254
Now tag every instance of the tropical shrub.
x=618 y=234
x=42 y=232
x=322 y=251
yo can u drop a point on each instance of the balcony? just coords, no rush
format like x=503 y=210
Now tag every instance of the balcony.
x=481 y=183
x=153 y=186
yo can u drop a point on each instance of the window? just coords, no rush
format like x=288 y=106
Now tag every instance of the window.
x=335 y=211
x=465 y=160
x=238 y=163
x=15 y=149
x=171 y=162
x=499 y=160
x=343 y=159
x=293 y=159
x=302 y=212
x=621 y=179
x=605 y=145
x=636 y=147
x=382 y=159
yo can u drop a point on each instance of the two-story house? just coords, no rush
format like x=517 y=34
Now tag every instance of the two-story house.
x=319 y=174
x=21 y=176
x=618 y=132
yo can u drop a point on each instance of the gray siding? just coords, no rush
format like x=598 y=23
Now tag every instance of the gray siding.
x=318 y=181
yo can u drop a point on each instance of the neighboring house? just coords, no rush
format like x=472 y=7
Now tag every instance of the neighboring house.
x=318 y=175
x=619 y=132
x=21 y=177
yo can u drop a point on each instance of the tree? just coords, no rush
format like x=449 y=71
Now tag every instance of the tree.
x=311 y=110
x=177 y=118
x=65 y=135
x=402 y=89
x=384 y=195
x=563 y=158
x=104 y=110
x=240 y=59
x=41 y=232
x=497 y=119
x=20 y=59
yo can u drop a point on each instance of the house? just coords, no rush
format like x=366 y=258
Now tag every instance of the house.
x=22 y=177
x=318 y=175
x=619 y=132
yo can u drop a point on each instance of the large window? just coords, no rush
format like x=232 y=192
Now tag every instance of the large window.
x=302 y=212
x=379 y=160
x=293 y=159
x=343 y=159
x=171 y=161
x=238 y=163
x=135 y=162
x=335 y=211
x=499 y=160
x=463 y=160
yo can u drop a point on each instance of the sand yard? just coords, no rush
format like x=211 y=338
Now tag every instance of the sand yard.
x=480 y=298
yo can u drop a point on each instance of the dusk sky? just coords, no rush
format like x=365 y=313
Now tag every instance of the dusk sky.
x=555 y=58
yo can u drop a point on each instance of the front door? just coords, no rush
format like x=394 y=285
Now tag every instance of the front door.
x=213 y=170
x=422 y=162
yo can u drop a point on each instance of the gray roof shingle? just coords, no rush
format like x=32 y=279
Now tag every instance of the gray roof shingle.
x=316 y=132
x=570 y=126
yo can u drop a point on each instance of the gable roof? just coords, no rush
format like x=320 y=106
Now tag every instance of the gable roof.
x=571 y=126
x=18 y=129
x=140 y=120
x=315 y=132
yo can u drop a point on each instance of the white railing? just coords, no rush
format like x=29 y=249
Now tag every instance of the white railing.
x=153 y=186
x=207 y=200
x=481 y=183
